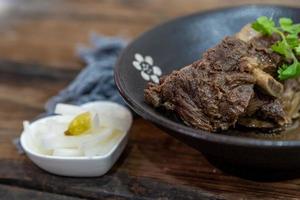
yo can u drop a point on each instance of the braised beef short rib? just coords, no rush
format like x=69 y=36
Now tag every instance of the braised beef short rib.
x=234 y=83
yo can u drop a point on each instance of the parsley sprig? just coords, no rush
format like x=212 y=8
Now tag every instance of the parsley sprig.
x=288 y=46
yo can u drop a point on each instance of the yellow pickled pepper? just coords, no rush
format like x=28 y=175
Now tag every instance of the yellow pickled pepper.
x=80 y=124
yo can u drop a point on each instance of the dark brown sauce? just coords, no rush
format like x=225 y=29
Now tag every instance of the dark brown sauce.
x=291 y=133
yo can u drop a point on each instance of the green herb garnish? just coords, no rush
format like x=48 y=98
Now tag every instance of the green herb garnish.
x=288 y=46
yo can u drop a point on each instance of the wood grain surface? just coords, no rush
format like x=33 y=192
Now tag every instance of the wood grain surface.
x=16 y=193
x=37 y=59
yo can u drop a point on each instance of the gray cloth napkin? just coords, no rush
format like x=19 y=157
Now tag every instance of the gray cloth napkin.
x=95 y=81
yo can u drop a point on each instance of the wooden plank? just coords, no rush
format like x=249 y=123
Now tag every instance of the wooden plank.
x=115 y=184
x=15 y=193
x=32 y=31
x=32 y=69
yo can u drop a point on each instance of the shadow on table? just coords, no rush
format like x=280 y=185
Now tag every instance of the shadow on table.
x=262 y=175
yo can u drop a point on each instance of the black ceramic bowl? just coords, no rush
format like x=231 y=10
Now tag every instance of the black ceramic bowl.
x=179 y=42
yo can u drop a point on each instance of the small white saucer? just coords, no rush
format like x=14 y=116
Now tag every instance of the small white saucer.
x=85 y=166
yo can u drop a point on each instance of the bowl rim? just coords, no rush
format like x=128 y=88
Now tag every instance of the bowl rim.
x=28 y=150
x=183 y=129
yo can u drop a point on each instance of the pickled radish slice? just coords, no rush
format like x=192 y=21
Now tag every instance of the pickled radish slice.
x=65 y=152
x=96 y=123
x=80 y=124
x=26 y=125
x=54 y=141
x=103 y=147
x=112 y=113
x=67 y=109
x=99 y=137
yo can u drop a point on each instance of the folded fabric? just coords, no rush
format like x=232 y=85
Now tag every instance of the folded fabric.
x=95 y=81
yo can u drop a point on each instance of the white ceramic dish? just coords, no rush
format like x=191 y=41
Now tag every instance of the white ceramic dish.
x=86 y=166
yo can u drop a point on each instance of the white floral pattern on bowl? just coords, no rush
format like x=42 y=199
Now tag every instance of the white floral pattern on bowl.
x=147 y=68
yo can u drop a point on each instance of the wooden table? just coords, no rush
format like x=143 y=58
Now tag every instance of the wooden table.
x=37 y=59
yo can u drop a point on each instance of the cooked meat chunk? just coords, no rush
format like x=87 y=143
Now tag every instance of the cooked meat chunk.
x=291 y=98
x=266 y=108
x=255 y=123
x=234 y=82
x=260 y=49
x=211 y=93
x=273 y=111
x=264 y=80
